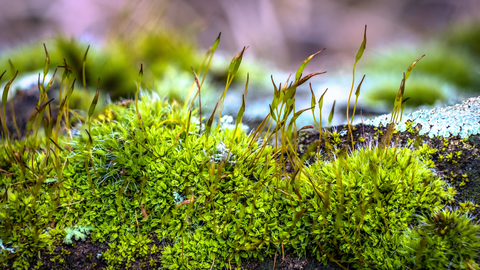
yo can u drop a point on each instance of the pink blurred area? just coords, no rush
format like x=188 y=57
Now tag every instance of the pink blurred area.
x=282 y=31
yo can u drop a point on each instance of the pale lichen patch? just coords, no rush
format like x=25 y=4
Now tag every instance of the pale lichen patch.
x=461 y=119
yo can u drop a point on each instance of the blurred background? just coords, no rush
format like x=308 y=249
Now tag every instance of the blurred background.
x=169 y=36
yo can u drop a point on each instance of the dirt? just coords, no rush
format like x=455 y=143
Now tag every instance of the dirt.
x=21 y=107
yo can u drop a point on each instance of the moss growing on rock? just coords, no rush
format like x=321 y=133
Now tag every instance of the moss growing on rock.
x=373 y=196
x=443 y=240
x=168 y=179
x=214 y=196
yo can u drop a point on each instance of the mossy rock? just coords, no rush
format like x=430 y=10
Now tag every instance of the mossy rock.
x=219 y=201
x=150 y=184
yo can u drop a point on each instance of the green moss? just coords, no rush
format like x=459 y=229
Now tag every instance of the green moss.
x=423 y=90
x=17 y=210
x=334 y=138
x=126 y=249
x=442 y=240
x=141 y=180
x=468 y=207
x=38 y=265
x=464 y=36
x=442 y=64
x=373 y=197
x=215 y=196
x=116 y=64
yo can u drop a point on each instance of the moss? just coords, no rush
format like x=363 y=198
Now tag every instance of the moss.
x=145 y=178
x=442 y=66
x=215 y=196
x=121 y=146
x=372 y=203
x=116 y=64
x=464 y=36
x=442 y=240
x=423 y=91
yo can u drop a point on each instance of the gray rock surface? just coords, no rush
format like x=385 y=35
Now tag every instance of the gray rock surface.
x=461 y=119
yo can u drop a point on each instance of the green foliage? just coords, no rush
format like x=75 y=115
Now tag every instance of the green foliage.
x=425 y=90
x=20 y=227
x=454 y=66
x=334 y=138
x=115 y=64
x=372 y=198
x=464 y=36
x=156 y=172
x=442 y=73
x=198 y=251
x=126 y=249
x=447 y=239
x=217 y=196
x=425 y=153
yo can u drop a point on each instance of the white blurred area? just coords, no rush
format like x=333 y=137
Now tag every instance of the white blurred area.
x=284 y=32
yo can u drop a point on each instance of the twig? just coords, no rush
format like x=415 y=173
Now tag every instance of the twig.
x=275 y=259
x=213 y=261
x=285 y=193
x=71 y=203
x=138 y=229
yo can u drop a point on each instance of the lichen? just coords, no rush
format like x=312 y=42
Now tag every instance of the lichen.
x=79 y=231
x=462 y=119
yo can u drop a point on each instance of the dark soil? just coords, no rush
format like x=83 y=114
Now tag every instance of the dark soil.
x=83 y=255
x=21 y=107
x=289 y=262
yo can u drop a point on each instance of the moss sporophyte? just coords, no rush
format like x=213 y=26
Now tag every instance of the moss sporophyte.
x=215 y=196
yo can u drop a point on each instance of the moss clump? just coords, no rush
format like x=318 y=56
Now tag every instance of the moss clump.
x=443 y=71
x=213 y=195
x=426 y=90
x=442 y=240
x=167 y=179
x=15 y=215
x=374 y=195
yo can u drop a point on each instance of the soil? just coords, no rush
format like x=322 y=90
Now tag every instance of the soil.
x=21 y=107
x=83 y=255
